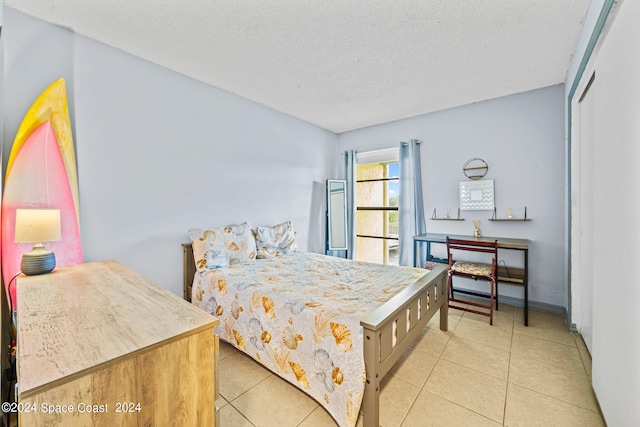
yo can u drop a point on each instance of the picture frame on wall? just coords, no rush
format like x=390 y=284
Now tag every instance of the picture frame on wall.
x=477 y=195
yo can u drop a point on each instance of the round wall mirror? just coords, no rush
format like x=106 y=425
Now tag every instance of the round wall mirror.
x=475 y=168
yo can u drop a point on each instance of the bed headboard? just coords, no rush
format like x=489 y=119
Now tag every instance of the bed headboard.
x=188 y=270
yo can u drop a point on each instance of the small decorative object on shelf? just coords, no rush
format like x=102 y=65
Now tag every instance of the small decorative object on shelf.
x=446 y=217
x=476 y=226
x=475 y=168
x=509 y=216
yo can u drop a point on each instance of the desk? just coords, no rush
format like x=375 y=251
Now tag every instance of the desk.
x=508 y=275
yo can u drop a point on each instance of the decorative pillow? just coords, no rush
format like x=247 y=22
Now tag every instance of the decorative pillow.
x=218 y=247
x=277 y=240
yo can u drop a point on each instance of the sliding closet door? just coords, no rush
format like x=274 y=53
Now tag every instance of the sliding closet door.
x=586 y=209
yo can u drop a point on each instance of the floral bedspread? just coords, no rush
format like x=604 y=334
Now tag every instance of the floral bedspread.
x=299 y=315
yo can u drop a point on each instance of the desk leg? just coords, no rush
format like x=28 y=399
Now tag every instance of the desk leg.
x=418 y=262
x=526 y=287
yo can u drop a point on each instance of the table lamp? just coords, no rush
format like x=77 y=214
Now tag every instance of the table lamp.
x=37 y=226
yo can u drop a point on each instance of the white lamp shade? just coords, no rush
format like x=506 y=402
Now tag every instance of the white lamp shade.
x=37 y=225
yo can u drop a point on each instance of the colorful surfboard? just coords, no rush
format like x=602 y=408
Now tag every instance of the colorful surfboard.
x=51 y=106
x=41 y=173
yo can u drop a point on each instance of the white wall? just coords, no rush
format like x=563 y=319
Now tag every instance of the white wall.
x=616 y=177
x=159 y=153
x=521 y=137
x=35 y=54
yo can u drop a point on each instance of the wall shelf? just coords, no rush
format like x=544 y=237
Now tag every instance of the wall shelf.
x=475 y=168
x=435 y=217
x=495 y=218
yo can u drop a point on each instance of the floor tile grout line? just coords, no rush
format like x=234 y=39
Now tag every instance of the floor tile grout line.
x=545 y=339
x=506 y=393
x=584 y=364
x=425 y=381
x=462 y=406
x=555 y=366
x=309 y=414
x=411 y=406
x=577 y=371
x=511 y=353
x=554 y=397
x=559 y=400
x=230 y=402
x=458 y=404
x=250 y=388
x=474 y=369
x=422 y=389
x=492 y=346
x=485 y=345
x=240 y=412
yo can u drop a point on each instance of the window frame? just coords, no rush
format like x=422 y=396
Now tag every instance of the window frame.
x=385 y=180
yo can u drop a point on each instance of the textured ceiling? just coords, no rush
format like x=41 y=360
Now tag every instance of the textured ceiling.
x=340 y=64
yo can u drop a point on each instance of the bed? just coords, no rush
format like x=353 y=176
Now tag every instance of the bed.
x=297 y=314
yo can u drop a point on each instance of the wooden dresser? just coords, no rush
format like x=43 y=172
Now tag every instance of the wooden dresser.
x=100 y=345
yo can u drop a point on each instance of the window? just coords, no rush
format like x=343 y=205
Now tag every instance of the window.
x=376 y=197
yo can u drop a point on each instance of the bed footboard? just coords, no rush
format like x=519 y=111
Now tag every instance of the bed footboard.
x=390 y=330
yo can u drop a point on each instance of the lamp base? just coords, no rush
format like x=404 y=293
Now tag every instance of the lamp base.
x=38 y=261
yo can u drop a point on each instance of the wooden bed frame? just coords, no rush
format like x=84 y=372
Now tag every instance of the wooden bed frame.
x=404 y=315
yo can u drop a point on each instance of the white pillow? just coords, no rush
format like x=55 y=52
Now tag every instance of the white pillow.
x=275 y=241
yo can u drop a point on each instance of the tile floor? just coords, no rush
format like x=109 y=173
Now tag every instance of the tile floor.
x=473 y=375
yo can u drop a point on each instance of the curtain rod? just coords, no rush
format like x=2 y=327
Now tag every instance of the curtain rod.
x=404 y=144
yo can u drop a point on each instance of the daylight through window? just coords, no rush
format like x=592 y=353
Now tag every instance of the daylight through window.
x=376 y=196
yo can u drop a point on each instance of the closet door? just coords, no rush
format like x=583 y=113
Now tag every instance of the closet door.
x=586 y=209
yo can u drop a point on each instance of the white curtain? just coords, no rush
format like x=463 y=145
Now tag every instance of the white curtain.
x=411 y=206
x=350 y=176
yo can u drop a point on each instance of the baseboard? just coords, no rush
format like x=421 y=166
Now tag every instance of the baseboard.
x=535 y=305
